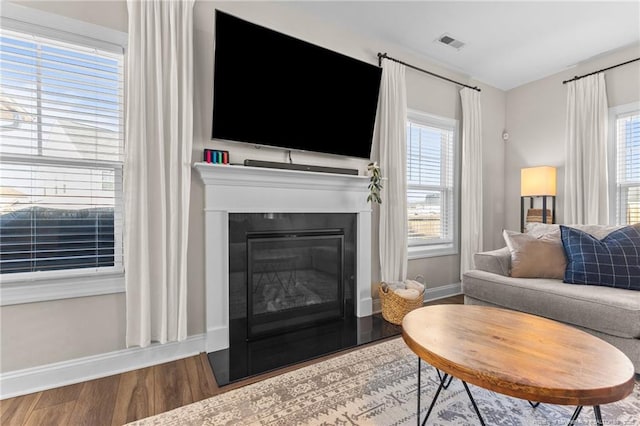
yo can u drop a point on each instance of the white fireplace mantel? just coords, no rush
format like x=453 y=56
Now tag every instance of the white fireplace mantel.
x=241 y=189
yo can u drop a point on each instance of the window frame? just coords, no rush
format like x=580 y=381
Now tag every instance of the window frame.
x=30 y=287
x=439 y=248
x=612 y=145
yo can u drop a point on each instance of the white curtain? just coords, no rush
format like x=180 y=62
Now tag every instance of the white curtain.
x=586 y=194
x=390 y=150
x=159 y=133
x=471 y=179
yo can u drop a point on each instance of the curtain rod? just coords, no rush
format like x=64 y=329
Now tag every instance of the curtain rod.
x=382 y=56
x=603 y=69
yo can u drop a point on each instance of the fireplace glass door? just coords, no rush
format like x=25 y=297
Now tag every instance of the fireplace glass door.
x=294 y=279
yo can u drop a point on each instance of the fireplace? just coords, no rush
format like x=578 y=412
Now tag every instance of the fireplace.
x=294 y=220
x=288 y=271
x=283 y=200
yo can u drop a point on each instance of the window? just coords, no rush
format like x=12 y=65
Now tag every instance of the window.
x=625 y=124
x=61 y=147
x=431 y=191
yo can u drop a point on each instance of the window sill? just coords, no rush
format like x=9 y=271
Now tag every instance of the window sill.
x=421 y=252
x=55 y=288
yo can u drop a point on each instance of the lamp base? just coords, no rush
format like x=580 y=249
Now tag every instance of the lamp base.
x=537 y=215
x=542 y=215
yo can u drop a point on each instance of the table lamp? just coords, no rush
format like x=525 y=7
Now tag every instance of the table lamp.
x=538 y=182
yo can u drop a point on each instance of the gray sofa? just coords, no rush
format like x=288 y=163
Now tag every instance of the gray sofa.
x=609 y=313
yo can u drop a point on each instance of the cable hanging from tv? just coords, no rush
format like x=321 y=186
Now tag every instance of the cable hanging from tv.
x=603 y=69
x=382 y=56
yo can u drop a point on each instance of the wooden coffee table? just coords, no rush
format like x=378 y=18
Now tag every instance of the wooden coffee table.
x=519 y=355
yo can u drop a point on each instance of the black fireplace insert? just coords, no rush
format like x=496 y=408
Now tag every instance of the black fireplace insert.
x=294 y=279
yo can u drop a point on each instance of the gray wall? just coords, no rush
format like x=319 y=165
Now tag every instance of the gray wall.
x=536 y=114
x=41 y=333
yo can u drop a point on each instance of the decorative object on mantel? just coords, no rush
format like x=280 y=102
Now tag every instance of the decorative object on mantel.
x=303 y=167
x=399 y=298
x=537 y=182
x=216 y=156
x=375 y=184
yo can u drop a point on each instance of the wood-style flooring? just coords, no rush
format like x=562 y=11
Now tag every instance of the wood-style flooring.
x=123 y=398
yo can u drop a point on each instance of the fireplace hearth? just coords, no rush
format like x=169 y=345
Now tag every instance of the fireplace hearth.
x=245 y=358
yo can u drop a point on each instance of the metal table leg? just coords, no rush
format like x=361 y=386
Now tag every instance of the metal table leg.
x=473 y=402
x=596 y=412
x=576 y=413
x=444 y=378
x=435 y=398
x=443 y=385
x=418 y=413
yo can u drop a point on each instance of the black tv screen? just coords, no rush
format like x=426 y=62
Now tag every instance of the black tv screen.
x=273 y=89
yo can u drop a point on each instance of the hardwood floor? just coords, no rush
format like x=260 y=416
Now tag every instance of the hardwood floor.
x=115 y=400
x=123 y=398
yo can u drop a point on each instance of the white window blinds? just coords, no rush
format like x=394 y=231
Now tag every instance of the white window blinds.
x=627 y=135
x=61 y=152
x=430 y=182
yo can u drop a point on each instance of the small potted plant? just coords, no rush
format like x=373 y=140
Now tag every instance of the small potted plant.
x=375 y=183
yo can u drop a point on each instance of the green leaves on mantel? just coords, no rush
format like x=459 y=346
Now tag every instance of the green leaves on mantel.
x=375 y=183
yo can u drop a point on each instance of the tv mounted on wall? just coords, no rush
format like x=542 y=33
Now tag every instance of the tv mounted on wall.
x=273 y=89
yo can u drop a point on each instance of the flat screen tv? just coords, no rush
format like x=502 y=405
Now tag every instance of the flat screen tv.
x=273 y=89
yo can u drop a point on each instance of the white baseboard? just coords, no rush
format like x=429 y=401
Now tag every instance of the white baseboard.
x=35 y=379
x=430 y=294
x=441 y=292
x=365 y=308
x=217 y=338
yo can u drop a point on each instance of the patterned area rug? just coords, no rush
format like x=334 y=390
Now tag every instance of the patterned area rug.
x=376 y=385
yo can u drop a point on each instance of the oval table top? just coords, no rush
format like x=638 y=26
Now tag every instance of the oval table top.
x=519 y=355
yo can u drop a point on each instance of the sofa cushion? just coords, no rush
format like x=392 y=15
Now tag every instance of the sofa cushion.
x=613 y=261
x=495 y=261
x=609 y=310
x=535 y=257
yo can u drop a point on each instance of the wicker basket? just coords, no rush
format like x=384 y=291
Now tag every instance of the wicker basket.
x=394 y=307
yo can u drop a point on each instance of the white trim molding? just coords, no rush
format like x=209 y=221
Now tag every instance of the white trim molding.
x=23 y=18
x=443 y=291
x=436 y=250
x=29 y=380
x=54 y=286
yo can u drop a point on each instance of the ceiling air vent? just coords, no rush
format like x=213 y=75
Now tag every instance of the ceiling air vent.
x=450 y=41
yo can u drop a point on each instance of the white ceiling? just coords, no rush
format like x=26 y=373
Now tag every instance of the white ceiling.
x=508 y=43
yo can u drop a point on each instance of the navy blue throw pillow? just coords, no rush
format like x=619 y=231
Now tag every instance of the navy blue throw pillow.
x=613 y=261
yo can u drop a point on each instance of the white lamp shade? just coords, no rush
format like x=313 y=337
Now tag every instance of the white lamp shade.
x=538 y=181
